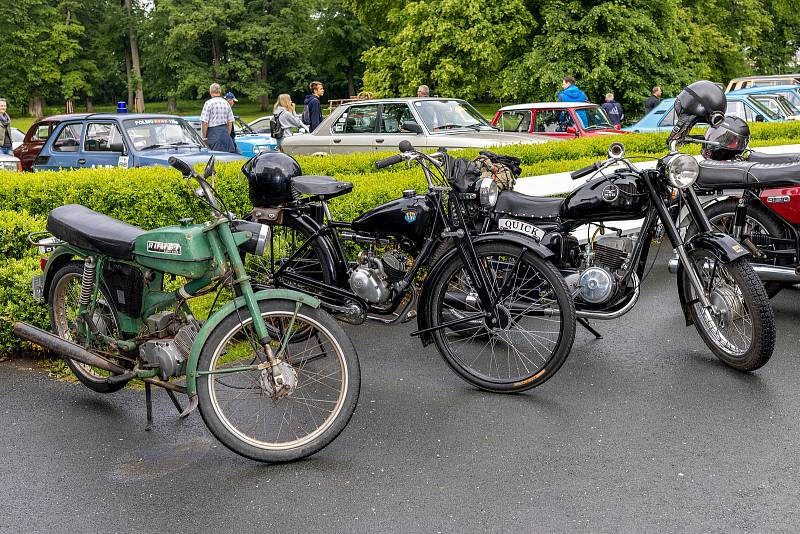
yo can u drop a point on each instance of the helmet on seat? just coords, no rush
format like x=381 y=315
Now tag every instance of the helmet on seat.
x=732 y=136
x=701 y=101
x=269 y=176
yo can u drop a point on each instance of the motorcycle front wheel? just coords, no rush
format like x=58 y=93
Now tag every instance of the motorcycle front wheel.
x=740 y=330
x=247 y=412
x=536 y=320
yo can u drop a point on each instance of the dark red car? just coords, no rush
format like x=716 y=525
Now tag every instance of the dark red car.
x=36 y=137
x=560 y=120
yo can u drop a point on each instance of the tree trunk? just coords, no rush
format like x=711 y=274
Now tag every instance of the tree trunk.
x=69 y=106
x=135 y=63
x=130 y=80
x=215 y=55
x=89 y=105
x=172 y=105
x=350 y=85
x=36 y=107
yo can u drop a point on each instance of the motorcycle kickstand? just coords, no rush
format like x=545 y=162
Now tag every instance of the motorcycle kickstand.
x=174 y=400
x=584 y=323
x=148 y=399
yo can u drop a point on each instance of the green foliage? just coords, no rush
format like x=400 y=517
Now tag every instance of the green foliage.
x=14 y=229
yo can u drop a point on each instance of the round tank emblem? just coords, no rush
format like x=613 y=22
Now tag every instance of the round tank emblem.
x=610 y=193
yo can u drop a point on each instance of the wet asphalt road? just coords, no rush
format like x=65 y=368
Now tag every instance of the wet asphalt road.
x=643 y=431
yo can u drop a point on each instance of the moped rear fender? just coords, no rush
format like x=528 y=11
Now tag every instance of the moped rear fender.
x=57 y=259
x=723 y=246
x=423 y=321
x=238 y=305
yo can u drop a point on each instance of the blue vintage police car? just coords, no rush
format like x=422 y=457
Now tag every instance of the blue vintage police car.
x=123 y=140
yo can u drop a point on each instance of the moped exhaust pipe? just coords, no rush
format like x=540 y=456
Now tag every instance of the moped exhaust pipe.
x=64 y=348
x=767 y=273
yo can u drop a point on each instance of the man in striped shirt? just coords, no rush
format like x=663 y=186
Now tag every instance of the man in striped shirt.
x=217 y=118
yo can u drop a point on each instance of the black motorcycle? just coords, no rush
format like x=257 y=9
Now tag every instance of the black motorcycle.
x=497 y=310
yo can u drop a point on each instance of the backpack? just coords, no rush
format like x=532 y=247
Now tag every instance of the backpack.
x=275 y=128
x=306 y=118
x=504 y=170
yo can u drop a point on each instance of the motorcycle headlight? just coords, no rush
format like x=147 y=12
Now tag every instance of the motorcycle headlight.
x=682 y=171
x=487 y=193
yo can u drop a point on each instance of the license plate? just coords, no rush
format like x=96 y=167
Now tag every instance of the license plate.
x=38 y=287
x=521 y=227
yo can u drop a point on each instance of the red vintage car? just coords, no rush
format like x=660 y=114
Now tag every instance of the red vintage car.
x=563 y=120
x=36 y=137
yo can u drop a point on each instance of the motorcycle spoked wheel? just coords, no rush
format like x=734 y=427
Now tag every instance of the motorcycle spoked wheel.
x=523 y=351
x=64 y=303
x=241 y=408
x=759 y=223
x=742 y=334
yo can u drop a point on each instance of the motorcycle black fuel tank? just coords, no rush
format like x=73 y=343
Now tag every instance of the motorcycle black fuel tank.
x=615 y=197
x=409 y=217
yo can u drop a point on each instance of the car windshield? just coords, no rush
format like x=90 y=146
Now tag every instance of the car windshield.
x=149 y=134
x=792 y=95
x=764 y=110
x=241 y=127
x=593 y=118
x=441 y=115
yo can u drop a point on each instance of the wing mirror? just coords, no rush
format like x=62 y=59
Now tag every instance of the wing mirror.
x=117 y=147
x=411 y=126
x=572 y=130
x=209 y=172
x=759 y=118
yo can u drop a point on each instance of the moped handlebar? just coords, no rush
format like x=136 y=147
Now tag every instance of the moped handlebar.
x=388 y=162
x=180 y=165
x=586 y=171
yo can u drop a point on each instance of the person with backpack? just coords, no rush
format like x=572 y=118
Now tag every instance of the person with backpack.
x=284 y=119
x=312 y=110
x=613 y=110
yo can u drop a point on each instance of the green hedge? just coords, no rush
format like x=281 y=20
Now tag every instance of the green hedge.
x=156 y=196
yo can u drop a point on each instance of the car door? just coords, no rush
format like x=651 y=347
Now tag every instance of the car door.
x=101 y=146
x=354 y=130
x=34 y=141
x=62 y=150
x=553 y=123
x=514 y=120
x=390 y=128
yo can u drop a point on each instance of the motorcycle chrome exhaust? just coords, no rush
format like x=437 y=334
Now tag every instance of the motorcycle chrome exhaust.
x=767 y=273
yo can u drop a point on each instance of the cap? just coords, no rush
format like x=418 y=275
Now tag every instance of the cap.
x=229 y=96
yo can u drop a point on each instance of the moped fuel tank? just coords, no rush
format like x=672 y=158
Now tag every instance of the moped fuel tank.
x=409 y=217
x=182 y=250
x=613 y=198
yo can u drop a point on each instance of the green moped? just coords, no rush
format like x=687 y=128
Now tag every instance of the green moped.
x=275 y=377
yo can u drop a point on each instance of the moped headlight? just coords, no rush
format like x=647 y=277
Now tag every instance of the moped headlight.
x=487 y=193
x=682 y=171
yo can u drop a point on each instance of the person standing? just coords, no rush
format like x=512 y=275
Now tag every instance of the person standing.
x=5 y=129
x=570 y=92
x=312 y=112
x=423 y=91
x=613 y=109
x=231 y=99
x=284 y=119
x=653 y=101
x=217 y=118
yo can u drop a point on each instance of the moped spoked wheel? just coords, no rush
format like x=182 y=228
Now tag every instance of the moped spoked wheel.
x=64 y=302
x=536 y=320
x=249 y=414
x=741 y=328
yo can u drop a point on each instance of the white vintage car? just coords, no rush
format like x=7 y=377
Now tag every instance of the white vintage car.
x=10 y=163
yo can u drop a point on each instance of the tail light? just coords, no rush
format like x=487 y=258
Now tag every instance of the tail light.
x=43 y=262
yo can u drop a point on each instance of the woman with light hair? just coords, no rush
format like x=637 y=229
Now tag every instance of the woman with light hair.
x=284 y=119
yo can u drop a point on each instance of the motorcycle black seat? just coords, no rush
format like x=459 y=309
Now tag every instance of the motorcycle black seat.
x=87 y=229
x=518 y=205
x=320 y=186
x=761 y=157
x=739 y=174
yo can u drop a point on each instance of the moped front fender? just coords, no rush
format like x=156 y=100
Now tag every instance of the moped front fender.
x=234 y=306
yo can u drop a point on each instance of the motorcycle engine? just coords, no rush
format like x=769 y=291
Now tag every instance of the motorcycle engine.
x=598 y=282
x=374 y=276
x=168 y=354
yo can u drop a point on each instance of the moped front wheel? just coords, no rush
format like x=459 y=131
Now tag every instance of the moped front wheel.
x=740 y=327
x=535 y=325
x=254 y=417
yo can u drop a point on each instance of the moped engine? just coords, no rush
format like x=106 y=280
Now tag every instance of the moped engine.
x=599 y=281
x=374 y=276
x=168 y=354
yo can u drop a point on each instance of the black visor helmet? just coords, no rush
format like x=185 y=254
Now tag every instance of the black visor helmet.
x=269 y=176
x=701 y=101
x=731 y=137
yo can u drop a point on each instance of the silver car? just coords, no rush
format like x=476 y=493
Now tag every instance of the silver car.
x=372 y=125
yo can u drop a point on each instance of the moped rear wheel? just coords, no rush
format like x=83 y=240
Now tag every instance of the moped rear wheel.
x=244 y=409
x=536 y=316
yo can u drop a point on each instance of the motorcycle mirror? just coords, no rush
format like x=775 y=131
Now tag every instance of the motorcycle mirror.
x=210 y=171
x=405 y=146
x=616 y=150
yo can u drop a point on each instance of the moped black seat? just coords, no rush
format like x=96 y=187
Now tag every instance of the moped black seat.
x=320 y=186
x=516 y=204
x=747 y=174
x=87 y=229
x=761 y=157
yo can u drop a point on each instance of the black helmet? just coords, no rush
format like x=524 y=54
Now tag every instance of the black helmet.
x=701 y=101
x=269 y=177
x=732 y=136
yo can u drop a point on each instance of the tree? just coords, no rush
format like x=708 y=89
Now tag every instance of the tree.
x=344 y=40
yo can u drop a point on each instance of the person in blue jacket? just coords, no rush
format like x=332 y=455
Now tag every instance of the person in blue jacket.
x=312 y=111
x=571 y=93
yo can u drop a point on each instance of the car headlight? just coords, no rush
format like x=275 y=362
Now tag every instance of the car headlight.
x=9 y=165
x=487 y=192
x=682 y=171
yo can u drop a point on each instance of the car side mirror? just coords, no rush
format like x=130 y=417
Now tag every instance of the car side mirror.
x=411 y=126
x=759 y=118
x=117 y=147
x=572 y=130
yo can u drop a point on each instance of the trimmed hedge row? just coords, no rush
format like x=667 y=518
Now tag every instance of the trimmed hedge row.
x=156 y=196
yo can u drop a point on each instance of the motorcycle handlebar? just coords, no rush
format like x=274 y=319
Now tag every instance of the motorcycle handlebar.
x=580 y=173
x=181 y=166
x=388 y=162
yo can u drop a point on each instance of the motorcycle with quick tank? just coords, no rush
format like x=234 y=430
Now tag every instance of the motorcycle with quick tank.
x=719 y=291
x=275 y=377
x=513 y=322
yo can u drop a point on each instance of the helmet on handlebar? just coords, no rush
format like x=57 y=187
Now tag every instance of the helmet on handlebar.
x=732 y=136
x=269 y=176
x=701 y=101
